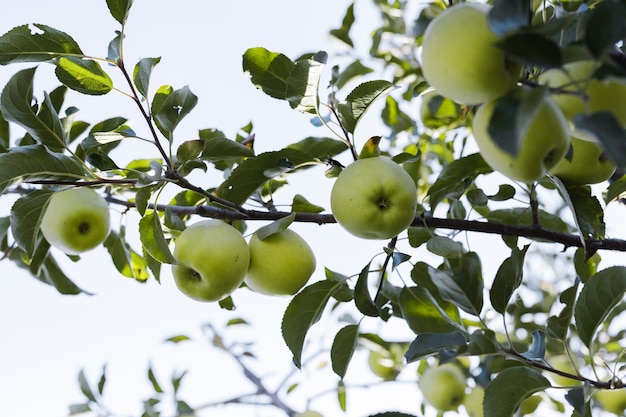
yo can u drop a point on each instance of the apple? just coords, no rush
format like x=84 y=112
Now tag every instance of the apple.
x=212 y=259
x=473 y=402
x=280 y=264
x=563 y=363
x=387 y=363
x=309 y=413
x=76 y=220
x=461 y=59
x=374 y=198
x=574 y=81
x=544 y=142
x=589 y=164
x=443 y=386
x=613 y=400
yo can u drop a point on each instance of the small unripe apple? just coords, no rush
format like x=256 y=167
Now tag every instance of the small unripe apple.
x=374 y=198
x=76 y=220
x=461 y=59
x=589 y=164
x=387 y=363
x=443 y=386
x=543 y=144
x=473 y=402
x=212 y=259
x=613 y=401
x=309 y=413
x=280 y=264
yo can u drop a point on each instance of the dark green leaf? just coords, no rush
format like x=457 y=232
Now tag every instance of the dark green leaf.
x=304 y=310
x=26 y=214
x=83 y=75
x=36 y=43
x=423 y=313
x=343 y=33
x=275 y=227
x=152 y=239
x=558 y=326
x=35 y=162
x=84 y=386
x=418 y=236
x=222 y=148
x=605 y=26
x=343 y=347
x=444 y=246
x=250 y=175
x=521 y=216
x=508 y=279
x=483 y=342
x=362 y=298
x=359 y=100
x=320 y=148
x=508 y=15
x=352 y=71
x=427 y=344
x=462 y=283
x=142 y=73
x=531 y=49
x=587 y=211
x=173 y=109
x=509 y=388
x=119 y=9
x=599 y=296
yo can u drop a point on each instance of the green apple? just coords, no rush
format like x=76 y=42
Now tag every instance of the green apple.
x=443 y=386
x=577 y=92
x=544 y=142
x=76 y=220
x=374 y=198
x=280 y=264
x=461 y=59
x=613 y=401
x=212 y=259
x=387 y=363
x=473 y=402
x=563 y=363
x=589 y=164
x=309 y=413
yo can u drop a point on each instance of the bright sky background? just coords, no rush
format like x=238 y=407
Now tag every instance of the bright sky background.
x=46 y=338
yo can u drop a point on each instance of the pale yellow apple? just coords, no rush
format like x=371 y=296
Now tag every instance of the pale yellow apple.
x=76 y=220
x=613 y=401
x=280 y=264
x=589 y=164
x=473 y=402
x=544 y=141
x=460 y=57
x=374 y=198
x=443 y=387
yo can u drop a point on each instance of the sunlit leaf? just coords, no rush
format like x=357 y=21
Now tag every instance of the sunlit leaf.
x=36 y=43
x=83 y=75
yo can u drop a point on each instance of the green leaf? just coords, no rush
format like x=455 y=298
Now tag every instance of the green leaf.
x=456 y=177
x=362 y=298
x=462 y=284
x=84 y=386
x=303 y=83
x=41 y=122
x=221 y=148
x=269 y=71
x=36 y=43
x=558 y=326
x=250 y=175
x=482 y=342
x=599 y=296
x=508 y=279
x=152 y=239
x=343 y=347
x=423 y=313
x=521 y=216
x=359 y=100
x=119 y=9
x=531 y=49
x=605 y=26
x=26 y=214
x=52 y=274
x=172 y=108
x=444 y=246
x=83 y=75
x=320 y=148
x=128 y=262
x=427 y=344
x=509 y=388
x=300 y=204
x=508 y=15
x=354 y=70
x=142 y=72
x=275 y=227
x=304 y=310
x=35 y=162
x=343 y=33
x=153 y=381
x=586 y=209
x=615 y=189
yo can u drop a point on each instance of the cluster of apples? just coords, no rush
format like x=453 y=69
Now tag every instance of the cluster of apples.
x=461 y=60
x=212 y=258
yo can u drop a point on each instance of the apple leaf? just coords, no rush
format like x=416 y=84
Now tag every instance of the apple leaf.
x=508 y=279
x=558 y=326
x=35 y=162
x=362 y=298
x=359 y=100
x=300 y=204
x=119 y=9
x=445 y=247
x=599 y=295
x=250 y=175
x=509 y=388
x=352 y=71
x=26 y=214
x=605 y=27
x=217 y=148
x=586 y=266
x=607 y=129
x=586 y=208
x=343 y=33
x=173 y=108
x=304 y=310
x=344 y=344
x=531 y=49
x=41 y=122
x=83 y=75
x=508 y=15
x=522 y=216
x=392 y=414
x=615 y=189
x=142 y=72
x=303 y=83
x=482 y=342
x=152 y=239
x=462 y=283
x=275 y=227
x=537 y=348
x=36 y=43
x=426 y=344
x=424 y=314
x=128 y=262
